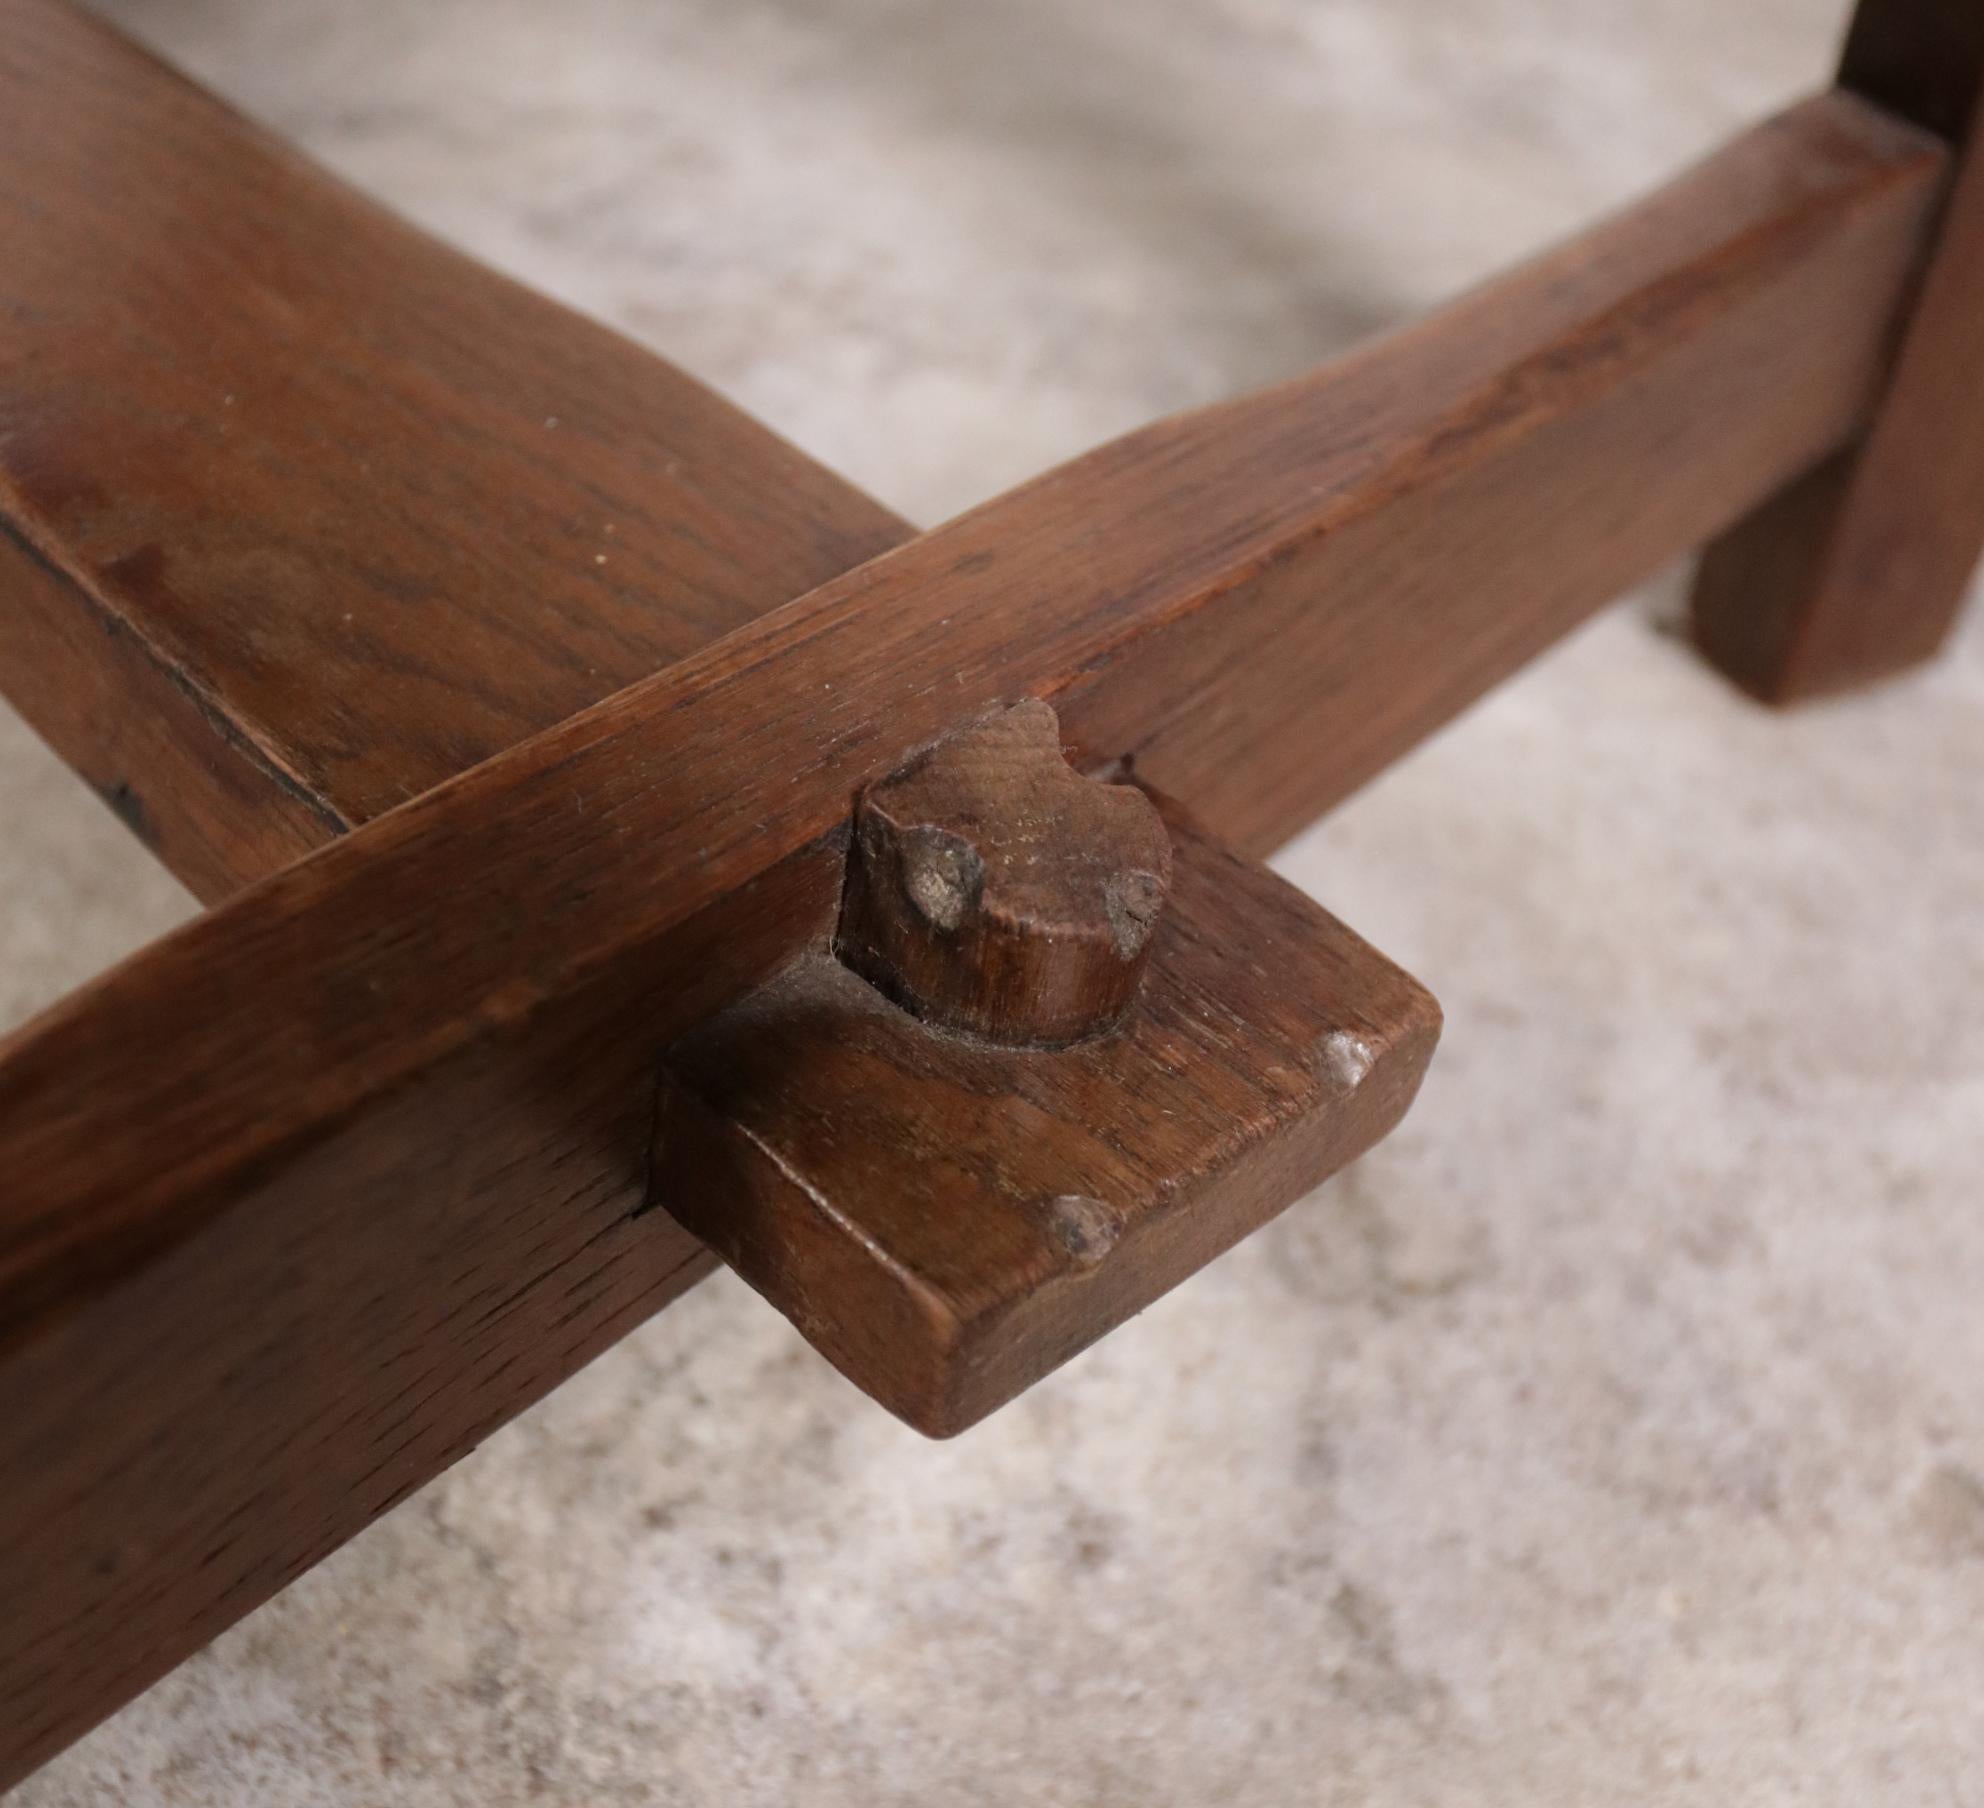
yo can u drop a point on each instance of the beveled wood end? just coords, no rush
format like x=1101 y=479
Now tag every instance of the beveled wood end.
x=947 y=1221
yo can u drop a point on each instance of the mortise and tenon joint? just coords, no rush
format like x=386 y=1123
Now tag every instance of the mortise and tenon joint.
x=385 y=1192
x=1098 y=1049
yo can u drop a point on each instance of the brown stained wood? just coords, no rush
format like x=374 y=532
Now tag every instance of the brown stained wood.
x=948 y=1221
x=993 y=889
x=611 y=831
x=1859 y=568
x=1460 y=495
x=385 y=1295
x=184 y=779
x=233 y=1264
x=286 y=536
x=300 y=508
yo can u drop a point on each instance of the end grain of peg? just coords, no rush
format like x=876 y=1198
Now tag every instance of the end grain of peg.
x=994 y=890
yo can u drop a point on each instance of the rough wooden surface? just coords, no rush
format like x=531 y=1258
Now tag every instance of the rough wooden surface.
x=948 y=1221
x=353 y=1067
x=304 y=512
x=993 y=889
x=1857 y=570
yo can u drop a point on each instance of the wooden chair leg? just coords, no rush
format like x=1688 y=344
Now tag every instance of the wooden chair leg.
x=1858 y=569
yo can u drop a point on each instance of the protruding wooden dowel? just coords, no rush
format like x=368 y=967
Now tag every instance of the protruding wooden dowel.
x=993 y=889
x=948 y=1220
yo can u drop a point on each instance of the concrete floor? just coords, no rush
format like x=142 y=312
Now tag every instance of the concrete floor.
x=1614 y=1433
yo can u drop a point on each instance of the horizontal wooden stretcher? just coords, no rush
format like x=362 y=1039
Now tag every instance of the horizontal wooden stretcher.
x=629 y=847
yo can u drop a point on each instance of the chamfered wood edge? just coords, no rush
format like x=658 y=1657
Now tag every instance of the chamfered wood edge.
x=995 y=889
x=119 y=715
x=1579 y=463
x=302 y=511
x=904 y=1194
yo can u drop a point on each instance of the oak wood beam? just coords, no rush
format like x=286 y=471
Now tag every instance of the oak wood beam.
x=294 y=1271
x=385 y=1189
x=302 y=512
x=1437 y=509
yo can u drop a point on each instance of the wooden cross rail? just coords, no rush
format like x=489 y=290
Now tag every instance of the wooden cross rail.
x=626 y=841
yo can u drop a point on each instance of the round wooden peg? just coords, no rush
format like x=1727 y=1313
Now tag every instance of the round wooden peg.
x=993 y=889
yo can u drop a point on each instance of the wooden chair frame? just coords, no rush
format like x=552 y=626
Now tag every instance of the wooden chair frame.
x=508 y=697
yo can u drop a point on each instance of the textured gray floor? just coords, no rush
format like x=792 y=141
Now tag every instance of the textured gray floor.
x=1613 y=1434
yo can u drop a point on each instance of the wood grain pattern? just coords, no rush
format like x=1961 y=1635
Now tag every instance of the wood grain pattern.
x=741 y=759
x=1859 y=569
x=409 y=1139
x=297 y=504
x=948 y=1221
x=381 y=1296
x=286 y=536
x=1438 y=509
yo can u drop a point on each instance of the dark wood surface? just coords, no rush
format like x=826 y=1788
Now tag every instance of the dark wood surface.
x=1424 y=517
x=993 y=889
x=384 y=1192
x=732 y=766
x=286 y=537
x=1922 y=59
x=1859 y=569
x=948 y=1221
x=301 y=509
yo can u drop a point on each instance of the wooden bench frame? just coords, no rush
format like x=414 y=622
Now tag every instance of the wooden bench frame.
x=361 y=581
